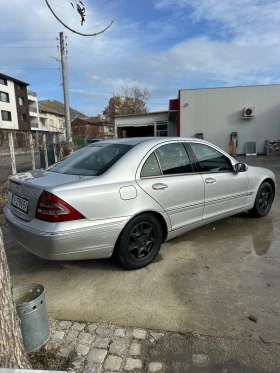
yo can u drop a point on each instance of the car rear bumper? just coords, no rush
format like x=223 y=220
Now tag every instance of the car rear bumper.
x=94 y=242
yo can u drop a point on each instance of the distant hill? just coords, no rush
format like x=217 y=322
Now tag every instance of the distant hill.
x=59 y=108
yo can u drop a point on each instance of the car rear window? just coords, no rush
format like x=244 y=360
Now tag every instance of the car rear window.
x=92 y=160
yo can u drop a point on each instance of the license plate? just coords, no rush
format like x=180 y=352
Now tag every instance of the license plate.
x=20 y=203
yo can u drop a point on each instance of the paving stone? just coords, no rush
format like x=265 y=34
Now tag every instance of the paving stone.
x=78 y=364
x=119 y=333
x=104 y=331
x=157 y=336
x=129 y=333
x=66 y=350
x=77 y=326
x=63 y=325
x=82 y=350
x=96 y=355
x=139 y=333
x=86 y=338
x=92 y=368
x=100 y=342
x=200 y=360
x=132 y=364
x=71 y=336
x=117 y=347
x=155 y=367
x=57 y=336
x=91 y=328
x=135 y=349
x=113 y=363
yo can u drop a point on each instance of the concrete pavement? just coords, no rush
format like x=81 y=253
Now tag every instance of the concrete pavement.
x=208 y=281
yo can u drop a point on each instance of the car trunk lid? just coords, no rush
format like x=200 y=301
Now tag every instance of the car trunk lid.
x=25 y=190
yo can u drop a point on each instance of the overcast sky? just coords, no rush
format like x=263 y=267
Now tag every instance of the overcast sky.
x=162 y=45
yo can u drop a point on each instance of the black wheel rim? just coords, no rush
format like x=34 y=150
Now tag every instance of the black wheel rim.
x=142 y=241
x=264 y=200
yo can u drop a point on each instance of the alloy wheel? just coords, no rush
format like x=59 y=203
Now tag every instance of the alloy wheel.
x=141 y=241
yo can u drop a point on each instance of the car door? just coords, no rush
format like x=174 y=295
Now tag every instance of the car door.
x=166 y=174
x=225 y=190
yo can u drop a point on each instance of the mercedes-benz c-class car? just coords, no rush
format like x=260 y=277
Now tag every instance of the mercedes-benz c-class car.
x=126 y=197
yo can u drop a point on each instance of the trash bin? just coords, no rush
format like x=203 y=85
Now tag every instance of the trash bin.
x=31 y=309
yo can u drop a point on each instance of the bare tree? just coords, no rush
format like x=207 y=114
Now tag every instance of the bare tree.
x=129 y=100
x=12 y=354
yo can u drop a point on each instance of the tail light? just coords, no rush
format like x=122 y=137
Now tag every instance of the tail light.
x=52 y=209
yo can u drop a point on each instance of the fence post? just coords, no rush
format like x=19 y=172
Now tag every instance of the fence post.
x=45 y=151
x=60 y=147
x=32 y=151
x=54 y=148
x=12 y=152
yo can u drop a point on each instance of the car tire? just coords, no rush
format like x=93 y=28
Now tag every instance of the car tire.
x=263 y=201
x=139 y=243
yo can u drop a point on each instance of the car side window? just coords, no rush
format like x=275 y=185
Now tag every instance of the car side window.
x=210 y=159
x=173 y=159
x=151 y=167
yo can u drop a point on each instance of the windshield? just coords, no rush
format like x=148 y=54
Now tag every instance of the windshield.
x=92 y=160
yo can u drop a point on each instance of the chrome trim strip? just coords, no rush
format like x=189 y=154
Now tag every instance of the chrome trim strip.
x=218 y=200
x=212 y=217
x=188 y=173
x=184 y=208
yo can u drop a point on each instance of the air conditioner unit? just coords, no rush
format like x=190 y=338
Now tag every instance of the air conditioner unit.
x=248 y=112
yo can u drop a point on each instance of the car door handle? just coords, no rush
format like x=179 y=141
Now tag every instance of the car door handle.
x=160 y=186
x=210 y=181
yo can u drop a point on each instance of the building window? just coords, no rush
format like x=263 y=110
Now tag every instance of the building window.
x=6 y=115
x=23 y=117
x=21 y=101
x=4 y=97
x=101 y=128
x=51 y=124
x=43 y=121
x=20 y=86
x=3 y=81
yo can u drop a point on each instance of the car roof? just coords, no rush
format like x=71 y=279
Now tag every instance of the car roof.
x=152 y=140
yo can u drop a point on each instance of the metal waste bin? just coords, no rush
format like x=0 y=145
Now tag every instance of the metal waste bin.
x=31 y=309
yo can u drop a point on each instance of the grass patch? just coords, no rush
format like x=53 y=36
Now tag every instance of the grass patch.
x=49 y=359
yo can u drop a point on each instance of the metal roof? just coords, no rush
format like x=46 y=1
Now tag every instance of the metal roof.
x=149 y=113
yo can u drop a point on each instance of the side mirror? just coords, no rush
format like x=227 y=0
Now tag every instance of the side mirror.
x=240 y=167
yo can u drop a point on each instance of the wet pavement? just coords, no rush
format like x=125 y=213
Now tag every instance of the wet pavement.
x=208 y=281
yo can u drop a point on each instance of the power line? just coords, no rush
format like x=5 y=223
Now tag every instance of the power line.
x=3 y=46
x=31 y=68
x=29 y=32
x=27 y=39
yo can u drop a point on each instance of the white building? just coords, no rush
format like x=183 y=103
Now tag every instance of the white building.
x=253 y=112
x=50 y=120
x=34 y=112
x=158 y=123
x=14 y=112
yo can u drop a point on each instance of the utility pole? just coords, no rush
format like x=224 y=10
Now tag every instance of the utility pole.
x=66 y=94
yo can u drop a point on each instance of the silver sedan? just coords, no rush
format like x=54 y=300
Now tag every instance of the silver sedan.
x=126 y=197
